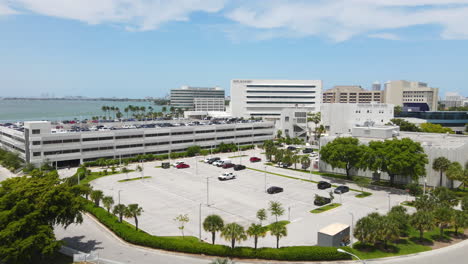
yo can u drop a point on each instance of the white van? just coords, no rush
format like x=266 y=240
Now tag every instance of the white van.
x=222 y=162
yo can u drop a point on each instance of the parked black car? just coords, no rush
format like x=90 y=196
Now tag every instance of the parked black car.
x=210 y=161
x=323 y=185
x=238 y=167
x=307 y=150
x=341 y=189
x=320 y=200
x=292 y=148
x=274 y=189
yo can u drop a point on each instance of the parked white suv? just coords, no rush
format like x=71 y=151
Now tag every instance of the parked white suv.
x=226 y=176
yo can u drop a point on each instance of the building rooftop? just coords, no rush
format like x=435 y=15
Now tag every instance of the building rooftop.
x=333 y=229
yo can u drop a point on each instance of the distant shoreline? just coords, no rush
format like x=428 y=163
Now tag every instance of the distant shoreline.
x=81 y=99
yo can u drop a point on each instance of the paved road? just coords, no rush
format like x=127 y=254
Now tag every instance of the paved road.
x=92 y=237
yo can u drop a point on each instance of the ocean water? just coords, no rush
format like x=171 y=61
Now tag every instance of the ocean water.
x=33 y=110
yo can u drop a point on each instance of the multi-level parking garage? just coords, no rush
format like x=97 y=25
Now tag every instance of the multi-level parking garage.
x=38 y=142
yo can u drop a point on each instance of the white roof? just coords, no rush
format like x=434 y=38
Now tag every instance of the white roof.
x=333 y=229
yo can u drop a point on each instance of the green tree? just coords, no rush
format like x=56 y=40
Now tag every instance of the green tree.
x=305 y=162
x=133 y=210
x=366 y=227
x=405 y=125
x=278 y=230
x=108 y=202
x=256 y=231
x=435 y=128
x=445 y=197
x=464 y=203
x=213 y=224
x=422 y=221
x=96 y=196
x=181 y=220
x=443 y=217
x=314 y=118
x=261 y=215
x=387 y=230
x=233 y=232
x=30 y=208
x=455 y=172
x=460 y=220
x=344 y=153
x=400 y=216
x=441 y=164
x=397 y=109
x=425 y=203
x=193 y=150
x=269 y=147
x=276 y=209
x=279 y=134
x=119 y=210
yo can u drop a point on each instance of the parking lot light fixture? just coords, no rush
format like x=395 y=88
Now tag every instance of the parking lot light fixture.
x=351 y=254
x=351 y=231
x=389 y=202
x=119 y=194
x=265 y=179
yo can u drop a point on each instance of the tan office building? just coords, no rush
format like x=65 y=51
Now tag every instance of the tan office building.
x=352 y=94
x=411 y=94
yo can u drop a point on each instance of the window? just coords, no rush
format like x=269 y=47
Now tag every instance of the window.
x=286 y=119
x=35 y=154
x=35 y=143
x=36 y=131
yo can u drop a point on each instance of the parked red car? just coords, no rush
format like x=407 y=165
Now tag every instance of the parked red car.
x=228 y=165
x=255 y=159
x=182 y=166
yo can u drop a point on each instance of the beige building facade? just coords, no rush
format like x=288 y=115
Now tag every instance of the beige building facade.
x=408 y=93
x=351 y=94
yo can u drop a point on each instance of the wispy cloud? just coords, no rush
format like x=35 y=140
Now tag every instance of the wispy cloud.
x=338 y=20
x=389 y=36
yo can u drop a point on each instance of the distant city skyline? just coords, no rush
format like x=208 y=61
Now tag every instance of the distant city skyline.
x=136 y=49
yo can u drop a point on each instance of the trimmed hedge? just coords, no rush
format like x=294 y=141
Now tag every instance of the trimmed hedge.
x=174 y=155
x=193 y=246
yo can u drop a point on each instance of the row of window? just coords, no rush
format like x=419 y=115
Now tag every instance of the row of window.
x=267 y=102
x=281 y=97
x=13 y=137
x=256 y=91
x=12 y=146
x=281 y=86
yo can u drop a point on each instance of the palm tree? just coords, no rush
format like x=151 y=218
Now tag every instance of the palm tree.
x=261 y=215
x=172 y=109
x=460 y=220
x=443 y=217
x=126 y=109
x=233 y=232
x=213 y=224
x=440 y=164
x=133 y=210
x=108 y=201
x=455 y=172
x=278 y=230
x=96 y=196
x=256 y=231
x=305 y=161
x=120 y=210
x=295 y=159
x=276 y=209
x=164 y=109
x=104 y=109
x=87 y=189
x=150 y=108
x=422 y=220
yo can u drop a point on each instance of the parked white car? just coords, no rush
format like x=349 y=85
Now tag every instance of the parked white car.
x=226 y=176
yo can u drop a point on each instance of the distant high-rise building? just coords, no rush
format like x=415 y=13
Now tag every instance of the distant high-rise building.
x=453 y=100
x=351 y=94
x=376 y=86
x=411 y=94
x=185 y=96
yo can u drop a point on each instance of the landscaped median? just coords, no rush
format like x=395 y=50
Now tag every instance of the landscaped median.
x=134 y=179
x=192 y=245
x=360 y=195
x=325 y=208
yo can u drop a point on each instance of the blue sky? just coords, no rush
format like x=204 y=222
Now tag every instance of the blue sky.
x=137 y=48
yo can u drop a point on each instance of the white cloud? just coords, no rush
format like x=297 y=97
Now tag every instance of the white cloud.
x=132 y=14
x=340 y=20
x=5 y=9
x=389 y=36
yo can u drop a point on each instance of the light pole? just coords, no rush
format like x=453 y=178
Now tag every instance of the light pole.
x=346 y=252
x=289 y=213
x=119 y=194
x=425 y=182
x=200 y=223
x=352 y=228
x=207 y=191
x=264 y=172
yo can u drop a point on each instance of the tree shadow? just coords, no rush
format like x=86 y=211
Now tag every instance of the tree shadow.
x=439 y=238
x=424 y=241
x=77 y=243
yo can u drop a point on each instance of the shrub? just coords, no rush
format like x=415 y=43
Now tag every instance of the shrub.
x=191 y=245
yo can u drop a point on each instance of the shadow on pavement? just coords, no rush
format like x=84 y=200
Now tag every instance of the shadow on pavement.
x=84 y=246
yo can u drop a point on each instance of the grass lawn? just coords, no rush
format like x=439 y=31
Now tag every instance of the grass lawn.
x=363 y=194
x=95 y=175
x=134 y=179
x=403 y=246
x=408 y=203
x=325 y=208
x=283 y=222
x=238 y=156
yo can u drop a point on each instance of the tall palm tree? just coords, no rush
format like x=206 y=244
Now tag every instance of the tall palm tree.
x=295 y=159
x=261 y=215
x=104 y=108
x=256 y=231
x=278 y=230
x=276 y=209
x=233 y=232
x=455 y=172
x=96 y=196
x=164 y=109
x=213 y=224
x=133 y=210
x=440 y=164
x=150 y=109
x=422 y=220
x=119 y=210
x=305 y=161
x=108 y=201
x=172 y=109
x=126 y=109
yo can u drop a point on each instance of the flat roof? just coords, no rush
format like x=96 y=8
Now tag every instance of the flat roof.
x=333 y=229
